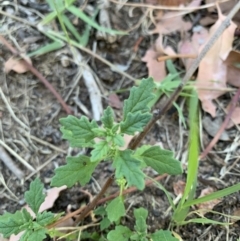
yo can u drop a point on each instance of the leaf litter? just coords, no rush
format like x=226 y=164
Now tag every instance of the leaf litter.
x=162 y=51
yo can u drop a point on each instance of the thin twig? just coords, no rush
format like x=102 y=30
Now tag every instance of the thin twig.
x=233 y=105
x=26 y=164
x=135 y=142
x=7 y=160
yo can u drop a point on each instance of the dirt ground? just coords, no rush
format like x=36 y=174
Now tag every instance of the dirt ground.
x=29 y=120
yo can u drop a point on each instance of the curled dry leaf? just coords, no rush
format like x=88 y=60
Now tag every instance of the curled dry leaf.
x=170 y=22
x=191 y=46
x=212 y=72
x=17 y=65
x=114 y=101
x=179 y=187
x=207 y=205
x=157 y=69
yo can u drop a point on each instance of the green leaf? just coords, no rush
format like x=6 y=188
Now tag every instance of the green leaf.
x=104 y=224
x=135 y=122
x=100 y=151
x=129 y=167
x=115 y=209
x=26 y=215
x=78 y=129
x=140 y=215
x=121 y=233
x=45 y=218
x=163 y=235
x=108 y=118
x=77 y=169
x=139 y=98
x=118 y=140
x=34 y=197
x=161 y=160
x=36 y=235
x=12 y=223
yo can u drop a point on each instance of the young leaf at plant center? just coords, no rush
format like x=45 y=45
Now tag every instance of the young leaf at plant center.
x=45 y=218
x=100 y=151
x=135 y=122
x=115 y=209
x=12 y=223
x=34 y=197
x=36 y=235
x=118 y=140
x=140 y=215
x=139 y=98
x=77 y=169
x=108 y=118
x=163 y=235
x=81 y=128
x=161 y=160
x=121 y=233
x=129 y=167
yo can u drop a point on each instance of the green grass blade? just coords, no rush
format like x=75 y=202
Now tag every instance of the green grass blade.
x=222 y=193
x=204 y=221
x=77 y=12
x=193 y=146
x=47 y=49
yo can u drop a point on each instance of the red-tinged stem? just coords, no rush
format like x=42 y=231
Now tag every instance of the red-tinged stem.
x=233 y=105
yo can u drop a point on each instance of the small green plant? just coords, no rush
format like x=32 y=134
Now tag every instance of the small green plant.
x=106 y=142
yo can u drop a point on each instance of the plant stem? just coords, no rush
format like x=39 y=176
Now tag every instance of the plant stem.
x=225 y=24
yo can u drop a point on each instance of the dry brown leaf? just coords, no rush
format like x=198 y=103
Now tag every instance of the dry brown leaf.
x=155 y=69
x=17 y=65
x=212 y=72
x=170 y=22
x=191 y=47
x=226 y=7
x=179 y=187
x=207 y=205
x=235 y=117
x=114 y=101
x=233 y=68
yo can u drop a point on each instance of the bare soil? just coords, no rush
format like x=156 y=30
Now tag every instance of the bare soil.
x=33 y=104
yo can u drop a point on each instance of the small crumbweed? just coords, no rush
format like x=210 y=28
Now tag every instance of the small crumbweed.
x=106 y=142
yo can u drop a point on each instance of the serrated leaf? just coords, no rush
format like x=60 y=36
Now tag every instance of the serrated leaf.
x=36 y=235
x=161 y=160
x=121 y=233
x=12 y=223
x=81 y=129
x=140 y=215
x=100 y=151
x=104 y=224
x=34 y=197
x=163 y=235
x=139 y=98
x=135 y=122
x=74 y=142
x=99 y=132
x=129 y=167
x=45 y=218
x=108 y=118
x=77 y=169
x=118 y=140
x=26 y=215
x=115 y=209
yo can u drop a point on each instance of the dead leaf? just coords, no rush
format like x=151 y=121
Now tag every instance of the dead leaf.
x=170 y=22
x=114 y=101
x=213 y=125
x=207 y=205
x=156 y=69
x=212 y=72
x=235 y=117
x=236 y=215
x=17 y=65
x=233 y=68
x=179 y=187
x=191 y=46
